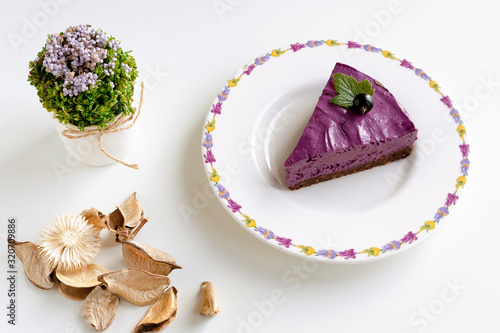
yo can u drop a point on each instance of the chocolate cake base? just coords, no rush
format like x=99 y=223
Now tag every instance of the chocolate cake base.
x=400 y=154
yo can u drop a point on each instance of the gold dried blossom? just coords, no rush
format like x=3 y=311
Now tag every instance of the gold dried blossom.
x=160 y=314
x=36 y=266
x=100 y=308
x=132 y=211
x=84 y=277
x=208 y=305
x=144 y=257
x=69 y=242
x=76 y=294
x=116 y=222
x=136 y=286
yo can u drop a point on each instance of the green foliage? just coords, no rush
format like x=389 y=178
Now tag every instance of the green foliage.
x=347 y=88
x=100 y=104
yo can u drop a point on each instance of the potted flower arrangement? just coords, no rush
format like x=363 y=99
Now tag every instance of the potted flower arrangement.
x=86 y=80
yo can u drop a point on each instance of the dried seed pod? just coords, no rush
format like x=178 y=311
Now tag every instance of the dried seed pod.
x=160 y=314
x=144 y=257
x=136 y=286
x=85 y=277
x=116 y=223
x=208 y=305
x=100 y=308
x=73 y=293
x=132 y=211
x=36 y=266
x=94 y=217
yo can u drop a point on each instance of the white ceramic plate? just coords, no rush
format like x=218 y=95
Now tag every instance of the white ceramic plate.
x=257 y=119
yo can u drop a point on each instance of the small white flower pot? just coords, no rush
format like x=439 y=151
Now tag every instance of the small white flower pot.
x=86 y=149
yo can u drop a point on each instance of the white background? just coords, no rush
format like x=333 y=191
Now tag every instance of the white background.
x=185 y=52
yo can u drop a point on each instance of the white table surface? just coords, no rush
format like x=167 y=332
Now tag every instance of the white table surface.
x=185 y=51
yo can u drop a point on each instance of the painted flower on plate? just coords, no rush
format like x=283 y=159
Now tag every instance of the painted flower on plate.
x=262 y=60
x=233 y=205
x=286 y=242
x=268 y=234
x=297 y=46
x=446 y=101
x=210 y=126
x=330 y=254
x=429 y=225
x=442 y=212
x=409 y=238
x=353 y=45
x=348 y=254
x=464 y=149
x=208 y=143
x=331 y=42
x=249 y=222
x=308 y=250
x=216 y=108
x=373 y=251
x=455 y=115
x=223 y=193
x=209 y=157
x=464 y=164
x=214 y=176
x=451 y=199
x=222 y=96
x=461 y=181
x=249 y=69
x=405 y=63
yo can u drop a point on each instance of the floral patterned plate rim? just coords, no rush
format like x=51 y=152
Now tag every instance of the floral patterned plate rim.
x=451 y=150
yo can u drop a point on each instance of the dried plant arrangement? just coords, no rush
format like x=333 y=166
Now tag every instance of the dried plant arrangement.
x=65 y=256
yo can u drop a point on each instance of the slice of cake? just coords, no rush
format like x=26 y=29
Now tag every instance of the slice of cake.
x=340 y=140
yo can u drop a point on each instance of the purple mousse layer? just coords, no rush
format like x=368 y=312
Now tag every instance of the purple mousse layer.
x=337 y=139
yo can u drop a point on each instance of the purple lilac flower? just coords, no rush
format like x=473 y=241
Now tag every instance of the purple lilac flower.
x=297 y=46
x=405 y=63
x=451 y=199
x=268 y=234
x=286 y=242
x=330 y=254
x=371 y=48
x=442 y=212
x=353 y=45
x=223 y=94
x=409 y=238
x=465 y=166
x=422 y=74
x=249 y=69
x=216 y=108
x=348 y=254
x=209 y=157
x=223 y=193
x=455 y=115
x=75 y=54
x=447 y=101
x=464 y=149
x=233 y=205
x=262 y=60
x=208 y=143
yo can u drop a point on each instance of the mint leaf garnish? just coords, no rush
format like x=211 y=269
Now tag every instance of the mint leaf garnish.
x=347 y=88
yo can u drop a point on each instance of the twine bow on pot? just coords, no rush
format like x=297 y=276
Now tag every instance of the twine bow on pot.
x=121 y=124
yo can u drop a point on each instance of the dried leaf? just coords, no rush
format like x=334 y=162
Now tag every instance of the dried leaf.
x=208 y=306
x=94 y=217
x=144 y=257
x=160 y=314
x=74 y=293
x=132 y=211
x=136 y=286
x=36 y=266
x=85 y=277
x=100 y=308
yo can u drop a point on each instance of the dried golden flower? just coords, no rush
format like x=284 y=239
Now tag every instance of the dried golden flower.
x=69 y=242
x=208 y=305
